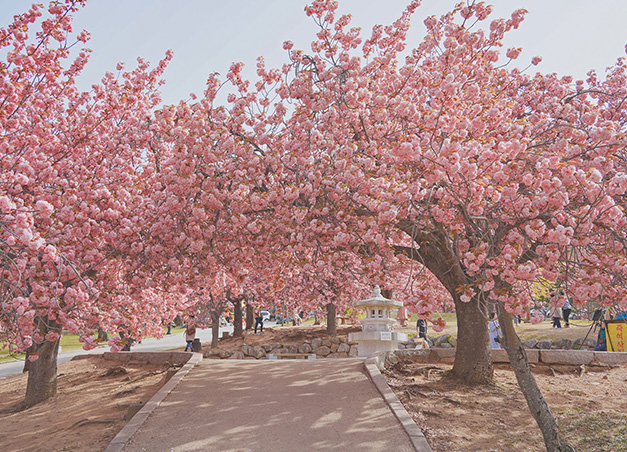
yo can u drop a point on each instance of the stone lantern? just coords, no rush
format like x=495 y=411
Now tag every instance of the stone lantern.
x=377 y=332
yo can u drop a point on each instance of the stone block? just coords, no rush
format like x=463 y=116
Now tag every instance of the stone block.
x=259 y=352
x=237 y=355
x=438 y=341
x=413 y=355
x=315 y=343
x=610 y=358
x=334 y=347
x=343 y=348
x=566 y=357
x=545 y=344
x=533 y=356
x=211 y=354
x=531 y=343
x=322 y=350
x=247 y=350
x=446 y=355
x=499 y=356
x=353 y=352
x=564 y=344
x=305 y=348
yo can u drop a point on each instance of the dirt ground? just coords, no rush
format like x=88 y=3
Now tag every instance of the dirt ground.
x=591 y=406
x=90 y=407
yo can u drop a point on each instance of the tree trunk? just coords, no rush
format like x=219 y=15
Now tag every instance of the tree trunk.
x=102 y=335
x=215 y=329
x=473 y=357
x=331 y=318
x=250 y=316
x=42 y=373
x=238 y=330
x=535 y=401
x=316 y=318
x=127 y=341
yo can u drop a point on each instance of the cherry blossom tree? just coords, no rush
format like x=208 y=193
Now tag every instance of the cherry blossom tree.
x=486 y=176
x=68 y=172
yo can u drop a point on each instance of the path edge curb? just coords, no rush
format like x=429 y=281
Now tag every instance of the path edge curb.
x=373 y=366
x=124 y=435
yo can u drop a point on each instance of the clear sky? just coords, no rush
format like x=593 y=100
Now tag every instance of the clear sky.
x=572 y=36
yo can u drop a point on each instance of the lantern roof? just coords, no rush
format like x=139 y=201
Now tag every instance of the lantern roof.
x=379 y=300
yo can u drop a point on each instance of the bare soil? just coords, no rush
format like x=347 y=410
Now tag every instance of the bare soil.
x=87 y=412
x=590 y=403
x=93 y=400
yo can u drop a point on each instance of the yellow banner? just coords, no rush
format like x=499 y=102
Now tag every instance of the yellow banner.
x=617 y=333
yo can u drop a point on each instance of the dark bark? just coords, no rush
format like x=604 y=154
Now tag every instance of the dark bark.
x=331 y=318
x=102 y=335
x=316 y=319
x=42 y=373
x=473 y=357
x=535 y=401
x=127 y=341
x=215 y=328
x=250 y=316
x=238 y=330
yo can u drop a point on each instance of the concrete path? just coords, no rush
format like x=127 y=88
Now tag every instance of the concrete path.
x=270 y=405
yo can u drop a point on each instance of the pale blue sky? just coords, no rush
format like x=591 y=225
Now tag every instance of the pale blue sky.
x=572 y=36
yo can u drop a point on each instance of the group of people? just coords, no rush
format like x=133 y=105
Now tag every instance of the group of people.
x=559 y=309
x=190 y=329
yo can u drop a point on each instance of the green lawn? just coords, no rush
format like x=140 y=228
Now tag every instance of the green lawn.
x=69 y=342
x=526 y=331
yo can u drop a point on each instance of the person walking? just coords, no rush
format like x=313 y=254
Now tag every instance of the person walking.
x=566 y=309
x=556 y=315
x=190 y=333
x=258 y=322
x=495 y=331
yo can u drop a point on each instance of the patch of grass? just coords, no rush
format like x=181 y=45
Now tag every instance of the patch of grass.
x=609 y=431
x=68 y=342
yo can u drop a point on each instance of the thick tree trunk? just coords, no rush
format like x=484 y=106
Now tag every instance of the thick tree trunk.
x=331 y=318
x=535 y=401
x=215 y=329
x=238 y=330
x=42 y=373
x=473 y=357
x=250 y=316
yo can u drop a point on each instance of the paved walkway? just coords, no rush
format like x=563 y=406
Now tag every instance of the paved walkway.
x=270 y=405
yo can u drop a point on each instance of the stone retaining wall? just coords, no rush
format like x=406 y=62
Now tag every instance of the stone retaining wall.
x=175 y=358
x=328 y=347
x=447 y=341
x=549 y=357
